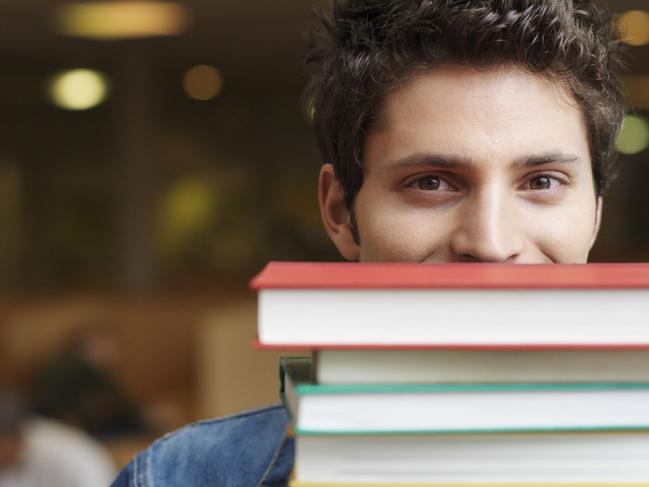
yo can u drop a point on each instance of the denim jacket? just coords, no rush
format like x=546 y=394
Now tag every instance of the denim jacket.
x=244 y=450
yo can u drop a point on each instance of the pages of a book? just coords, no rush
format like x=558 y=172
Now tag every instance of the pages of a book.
x=423 y=366
x=543 y=459
x=454 y=317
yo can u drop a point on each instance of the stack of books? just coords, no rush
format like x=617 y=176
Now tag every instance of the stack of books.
x=454 y=375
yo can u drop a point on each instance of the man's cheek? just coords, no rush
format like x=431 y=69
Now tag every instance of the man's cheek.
x=401 y=237
x=563 y=236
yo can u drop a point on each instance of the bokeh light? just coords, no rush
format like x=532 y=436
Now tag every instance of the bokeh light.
x=637 y=89
x=187 y=210
x=202 y=82
x=634 y=27
x=119 y=20
x=78 y=89
x=634 y=137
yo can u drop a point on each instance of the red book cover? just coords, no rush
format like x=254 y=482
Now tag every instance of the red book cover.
x=313 y=275
x=306 y=347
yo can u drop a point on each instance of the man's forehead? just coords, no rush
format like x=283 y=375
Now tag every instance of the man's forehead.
x=472 y=88
x=462 y=114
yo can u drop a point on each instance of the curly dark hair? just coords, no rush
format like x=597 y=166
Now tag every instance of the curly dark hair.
x=362 y=49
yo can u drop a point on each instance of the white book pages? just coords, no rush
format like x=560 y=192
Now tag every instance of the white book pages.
x=521 y=458
x=472 y=411
x=452 y=317
x=470 y=366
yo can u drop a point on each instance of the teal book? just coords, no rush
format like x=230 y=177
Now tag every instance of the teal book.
x=451 y=408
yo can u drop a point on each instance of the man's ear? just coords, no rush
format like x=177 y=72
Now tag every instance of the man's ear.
x=336 y=218
x=598 y=220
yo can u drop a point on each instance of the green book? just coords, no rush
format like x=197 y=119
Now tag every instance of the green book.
x=380 y=409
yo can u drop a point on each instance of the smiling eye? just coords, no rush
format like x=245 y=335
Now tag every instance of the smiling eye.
x=432 y=183
x=543 y=182
x=428 y=183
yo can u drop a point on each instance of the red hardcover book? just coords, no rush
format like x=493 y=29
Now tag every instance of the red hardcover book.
x=484 y=306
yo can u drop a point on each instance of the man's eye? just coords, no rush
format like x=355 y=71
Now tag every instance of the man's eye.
x=431 y=183
x=428 y=183
x=543 y=182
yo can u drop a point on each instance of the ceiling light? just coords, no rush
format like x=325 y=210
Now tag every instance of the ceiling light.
x=78 y=89
x=202 y=82
x=122 y=19
x=634 y=27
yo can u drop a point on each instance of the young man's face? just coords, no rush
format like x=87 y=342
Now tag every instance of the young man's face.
x=471 y=166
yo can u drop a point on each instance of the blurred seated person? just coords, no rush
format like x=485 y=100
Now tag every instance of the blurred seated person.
x=78 y=386
x=37 y=452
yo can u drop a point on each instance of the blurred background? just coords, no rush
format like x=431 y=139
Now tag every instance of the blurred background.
x=154 y=155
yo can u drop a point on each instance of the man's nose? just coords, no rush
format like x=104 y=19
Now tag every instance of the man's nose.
x=488 y=229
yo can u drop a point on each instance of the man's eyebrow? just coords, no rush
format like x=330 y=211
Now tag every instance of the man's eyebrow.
x=443 y=161
x=534 y=160
x=446 y=161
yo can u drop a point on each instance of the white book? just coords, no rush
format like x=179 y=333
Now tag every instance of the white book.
x=423 y=366
x=469 y=305
x=535 y=459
